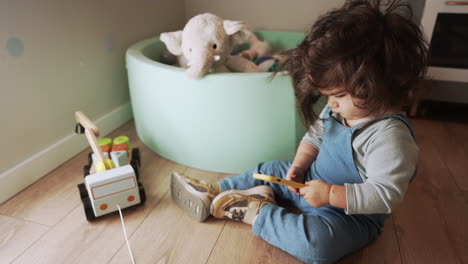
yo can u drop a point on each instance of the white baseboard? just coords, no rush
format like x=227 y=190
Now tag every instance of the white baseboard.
x=30 y=170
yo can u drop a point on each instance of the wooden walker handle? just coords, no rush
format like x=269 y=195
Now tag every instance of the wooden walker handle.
x=91 y=131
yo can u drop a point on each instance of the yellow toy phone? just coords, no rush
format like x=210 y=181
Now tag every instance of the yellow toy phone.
x=274 y=179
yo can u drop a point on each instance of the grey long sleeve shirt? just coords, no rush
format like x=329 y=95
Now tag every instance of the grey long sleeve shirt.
x=386 y=156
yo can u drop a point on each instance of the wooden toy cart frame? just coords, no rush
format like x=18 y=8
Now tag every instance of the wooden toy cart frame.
x=87 y=127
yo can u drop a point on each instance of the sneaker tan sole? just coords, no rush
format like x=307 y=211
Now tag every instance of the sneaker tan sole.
x=195 y=204
x=217 y=208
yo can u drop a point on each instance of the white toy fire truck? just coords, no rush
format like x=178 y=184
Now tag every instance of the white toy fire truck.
x=111 y=176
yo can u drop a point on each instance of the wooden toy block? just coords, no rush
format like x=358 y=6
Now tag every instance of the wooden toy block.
x=120 y=147
x=119 y=157
x=105 y=141
x=105 y=148
x=122 y=140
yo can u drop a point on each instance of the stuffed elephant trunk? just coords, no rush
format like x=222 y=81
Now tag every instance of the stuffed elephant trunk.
x=200 y=65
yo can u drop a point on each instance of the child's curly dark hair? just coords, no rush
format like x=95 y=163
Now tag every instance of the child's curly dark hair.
x=378 y=56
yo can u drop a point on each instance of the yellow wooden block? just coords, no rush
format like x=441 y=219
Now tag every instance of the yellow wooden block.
x=100 y=166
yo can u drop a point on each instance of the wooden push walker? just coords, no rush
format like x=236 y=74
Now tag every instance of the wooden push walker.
x=111 y=176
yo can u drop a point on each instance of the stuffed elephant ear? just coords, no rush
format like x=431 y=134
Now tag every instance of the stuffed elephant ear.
x=173 y=41
x=239 y=30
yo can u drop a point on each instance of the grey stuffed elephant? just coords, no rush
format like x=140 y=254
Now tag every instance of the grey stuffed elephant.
x=205 y=45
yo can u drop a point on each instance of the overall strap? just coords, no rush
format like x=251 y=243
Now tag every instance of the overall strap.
x=401 y=116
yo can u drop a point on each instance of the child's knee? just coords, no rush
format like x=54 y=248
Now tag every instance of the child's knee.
x=315 y=251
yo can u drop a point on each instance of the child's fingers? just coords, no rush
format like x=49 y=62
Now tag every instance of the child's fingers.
x=290 y=176
x=294 y=190
x=302 y=191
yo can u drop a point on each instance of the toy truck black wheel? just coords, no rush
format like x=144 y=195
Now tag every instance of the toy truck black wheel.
x=86 y=170
x=142 y=193
x=88 y=208
x=90 y=159
x=135 y=166
x=136 y=156
x=83 y=191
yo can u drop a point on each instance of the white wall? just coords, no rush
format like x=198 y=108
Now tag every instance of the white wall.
x=57 y=57
x=297 y=15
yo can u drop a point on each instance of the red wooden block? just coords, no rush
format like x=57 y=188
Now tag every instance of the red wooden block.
x=105 y=148
x=119 y=147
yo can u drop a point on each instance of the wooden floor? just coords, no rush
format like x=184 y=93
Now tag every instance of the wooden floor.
x=45 y=223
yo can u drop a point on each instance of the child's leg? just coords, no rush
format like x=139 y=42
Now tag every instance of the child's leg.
x=195 y=196
x=274 y=168
x=313 y=238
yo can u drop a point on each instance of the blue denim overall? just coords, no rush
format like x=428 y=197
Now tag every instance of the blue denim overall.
x=318 y=235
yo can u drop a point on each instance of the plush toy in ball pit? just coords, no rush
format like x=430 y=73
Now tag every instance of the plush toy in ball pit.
x=206 y=43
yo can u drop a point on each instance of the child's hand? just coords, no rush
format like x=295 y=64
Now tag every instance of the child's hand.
x=295 y=174
x=316 y=193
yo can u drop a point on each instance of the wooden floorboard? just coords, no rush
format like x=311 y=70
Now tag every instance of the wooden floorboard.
x=45 y=223
x=453 y=154
x=168 y=235
x=50 y=198
x=237 y=244
x=428 y=220
x=16 y=236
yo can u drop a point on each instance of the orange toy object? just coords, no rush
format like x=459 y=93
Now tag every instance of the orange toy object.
x=105 y=149
x=119 y=147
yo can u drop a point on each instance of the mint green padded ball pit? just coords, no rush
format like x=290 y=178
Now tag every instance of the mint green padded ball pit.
x=224 y=122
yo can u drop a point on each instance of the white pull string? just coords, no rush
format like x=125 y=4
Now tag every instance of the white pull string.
x=125 y=233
